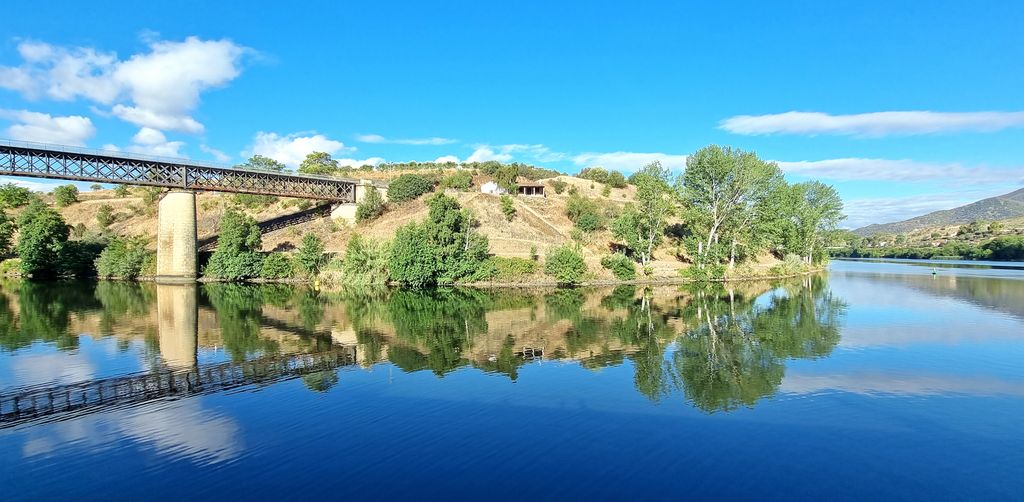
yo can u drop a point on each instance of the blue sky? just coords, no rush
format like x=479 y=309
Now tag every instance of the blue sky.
x=815 y=86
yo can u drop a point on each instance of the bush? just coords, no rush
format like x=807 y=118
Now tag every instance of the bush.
x=621 y=266
x=43 y=236
x=371 y=206
x=237 y=256
x=65 y=195
x=253 y=201
x=606 y=191
x=311 y=255
x=407 y=187
x=105 y=215
x=709 y=272
x=12 y=195
x=442 y=249
x=277 y=266
x=7 y=229
x=1005 y=248
x=559 y=186
x=460 y=180
x=412 y=258
x=366 y=262
x=584 y=212
x=500 y=268
x=616 y=179
x=125 y=259
x=566 y=265
x=10 y=268
x=508 y=207
x=121 y=191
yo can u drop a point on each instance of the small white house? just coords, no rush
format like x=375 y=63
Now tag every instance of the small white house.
x=492 y=188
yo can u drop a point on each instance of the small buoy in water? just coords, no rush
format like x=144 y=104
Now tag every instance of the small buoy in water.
x=934 y=272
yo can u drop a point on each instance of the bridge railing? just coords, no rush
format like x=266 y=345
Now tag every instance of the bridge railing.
x=41 y=402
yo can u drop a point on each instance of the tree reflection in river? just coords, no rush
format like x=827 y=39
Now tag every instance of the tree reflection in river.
x=719 y=348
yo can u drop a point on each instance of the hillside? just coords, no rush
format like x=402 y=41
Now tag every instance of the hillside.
x=1001 y=207
x=539 y=225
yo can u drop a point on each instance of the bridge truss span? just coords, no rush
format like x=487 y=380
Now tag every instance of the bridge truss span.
x=57 y=162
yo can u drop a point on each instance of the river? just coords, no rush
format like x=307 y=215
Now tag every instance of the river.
x=875 y=379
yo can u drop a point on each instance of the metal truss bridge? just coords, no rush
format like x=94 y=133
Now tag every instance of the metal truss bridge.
x=45 y=403
x=79 y=164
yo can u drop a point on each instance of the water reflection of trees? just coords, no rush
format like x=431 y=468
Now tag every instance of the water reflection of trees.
x=735 y=353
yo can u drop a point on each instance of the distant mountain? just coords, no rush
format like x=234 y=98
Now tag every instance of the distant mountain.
x=1001 y=207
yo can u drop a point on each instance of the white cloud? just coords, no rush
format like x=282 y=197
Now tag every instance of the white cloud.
x=293 y=148
x=218 y=155
x=446 y=159
x=44 y=128
x=485 y=153
x=150 y=141
x=506 y=153
x=372 y=161
x=163 y=86
x=871 y=124
x=629 y=161
x=376 y=138
x=853 y=169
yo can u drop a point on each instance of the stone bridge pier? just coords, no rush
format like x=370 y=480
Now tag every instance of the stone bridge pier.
x=176 y=237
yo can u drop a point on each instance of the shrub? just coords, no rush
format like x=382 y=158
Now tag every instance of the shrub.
x=460 y=180
x=566 y=265
x=500 y=268
x=621 y=266
x=121 y=191
x=709 y=272
x=12 y=195
x=584 y=212
x=237 y=255
x=606 y=191
x=277 y=266
x=371 y=206
x=442 y=249
x=253 y=201
x=43 y=236
x=7 y=229
x=508 y=207
x=407 y=187
x=65 y=195
x=124 y=259
x=311 y=255
x=366 y=262
x=559 y=186
x=105 y=215
x=616 y=179
x=10 y=267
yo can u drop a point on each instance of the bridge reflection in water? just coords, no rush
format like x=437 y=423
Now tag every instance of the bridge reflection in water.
x=179 y=376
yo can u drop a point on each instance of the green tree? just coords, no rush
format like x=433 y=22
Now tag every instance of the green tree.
x=7 y=228
x=311 y=255
x=505 y=177
x=124 y=258
x=372 y=205
x=318 y=163
x=620 y=265
x=265 y=163
x=442 y=249
x=995 y=227
x=725 y=191
x=65 y=195
x=642 y=224
x=277 y=266
x=566 y=265
x=408 y=187
x=105 y=215
x=237 y=256
x=366 y=262
x=13 y=196
x=122 y=191
x=817 y=210
x=508 y=207
x=42 y=239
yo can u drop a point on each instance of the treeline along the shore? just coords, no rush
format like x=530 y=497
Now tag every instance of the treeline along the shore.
x=725 y=212
x=1005 y=248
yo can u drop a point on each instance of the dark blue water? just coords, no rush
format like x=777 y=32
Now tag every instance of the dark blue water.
x=877 y=380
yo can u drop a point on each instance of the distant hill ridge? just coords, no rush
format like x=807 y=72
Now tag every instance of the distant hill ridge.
x=1000 y=207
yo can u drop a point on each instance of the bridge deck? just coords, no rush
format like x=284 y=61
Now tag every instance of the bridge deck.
x=21 y=405
x=79 y=164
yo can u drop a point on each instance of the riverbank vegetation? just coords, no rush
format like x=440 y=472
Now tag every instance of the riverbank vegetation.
x=728 y=215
